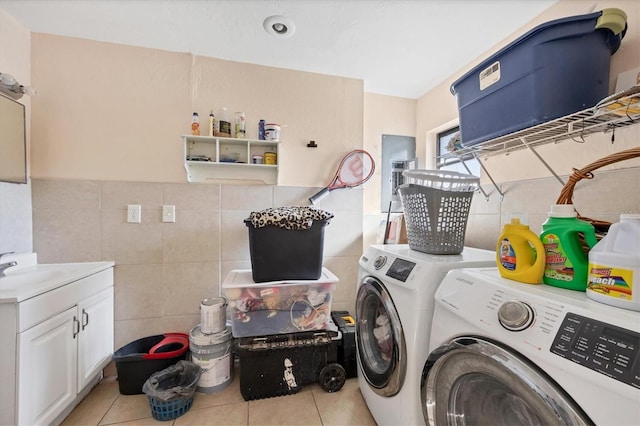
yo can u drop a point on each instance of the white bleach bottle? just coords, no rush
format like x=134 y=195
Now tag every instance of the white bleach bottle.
x=614 y=265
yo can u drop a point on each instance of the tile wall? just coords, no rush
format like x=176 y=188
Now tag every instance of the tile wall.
x=15 y=217
x=605 y=197
x=163 y=270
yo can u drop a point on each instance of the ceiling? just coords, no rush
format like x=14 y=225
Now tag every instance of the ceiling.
x=397 y=47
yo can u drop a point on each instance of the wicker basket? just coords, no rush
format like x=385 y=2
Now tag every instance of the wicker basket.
x=566 y=195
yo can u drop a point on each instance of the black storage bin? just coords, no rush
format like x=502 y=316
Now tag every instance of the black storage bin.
x=282 y=254
x=347 y=346
x=266 y=363
x=138 y=360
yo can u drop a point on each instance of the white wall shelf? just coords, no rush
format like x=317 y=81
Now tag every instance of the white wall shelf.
x=615 y=111
x=228 y=159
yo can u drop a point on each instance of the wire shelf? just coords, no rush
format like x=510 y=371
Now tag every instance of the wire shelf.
x=618 y=110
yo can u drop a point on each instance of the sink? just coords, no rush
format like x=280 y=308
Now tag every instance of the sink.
x=29 y=278
x=34 y=275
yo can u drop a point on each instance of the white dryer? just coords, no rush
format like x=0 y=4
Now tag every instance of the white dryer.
x=506 y=353
x=394 y=307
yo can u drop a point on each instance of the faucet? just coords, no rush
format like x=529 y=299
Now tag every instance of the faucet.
x=6 y=265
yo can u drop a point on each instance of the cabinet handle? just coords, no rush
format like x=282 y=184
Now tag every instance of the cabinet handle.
x=85 y=319
x=76 y=326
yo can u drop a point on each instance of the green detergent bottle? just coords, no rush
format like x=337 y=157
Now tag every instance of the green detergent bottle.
x=567 y=262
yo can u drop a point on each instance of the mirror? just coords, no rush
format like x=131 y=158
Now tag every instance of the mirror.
x=13 y=142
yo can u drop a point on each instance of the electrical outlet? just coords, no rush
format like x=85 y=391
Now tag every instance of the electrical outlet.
x=134 y=213
x=168 y=213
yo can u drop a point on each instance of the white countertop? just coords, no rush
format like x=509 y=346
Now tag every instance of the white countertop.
x=29 y=279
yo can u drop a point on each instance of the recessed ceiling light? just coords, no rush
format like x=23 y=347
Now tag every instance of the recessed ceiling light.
x=279 y=26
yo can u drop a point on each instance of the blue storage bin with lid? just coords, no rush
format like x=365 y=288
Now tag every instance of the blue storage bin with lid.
x=554 y=70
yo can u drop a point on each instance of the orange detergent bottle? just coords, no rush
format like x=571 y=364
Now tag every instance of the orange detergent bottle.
x=520 y=253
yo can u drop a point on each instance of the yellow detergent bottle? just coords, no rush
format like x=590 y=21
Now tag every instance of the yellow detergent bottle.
x=614 y=265
x=520 y=253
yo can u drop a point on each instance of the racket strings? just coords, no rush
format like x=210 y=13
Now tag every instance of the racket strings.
x=355 y=168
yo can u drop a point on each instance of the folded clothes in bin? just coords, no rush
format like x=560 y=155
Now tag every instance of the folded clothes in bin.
x=138 y=360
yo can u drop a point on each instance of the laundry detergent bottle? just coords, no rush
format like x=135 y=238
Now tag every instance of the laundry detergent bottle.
x=520 y=253
x=566 y=261
x=614 y=265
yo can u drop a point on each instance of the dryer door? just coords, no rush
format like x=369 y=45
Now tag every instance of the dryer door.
x=380 y=340
x=474 y=381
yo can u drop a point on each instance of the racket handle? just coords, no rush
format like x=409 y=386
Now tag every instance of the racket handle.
x=320 y=195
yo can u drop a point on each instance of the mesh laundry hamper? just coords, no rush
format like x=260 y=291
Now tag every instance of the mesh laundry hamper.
x=436 y=207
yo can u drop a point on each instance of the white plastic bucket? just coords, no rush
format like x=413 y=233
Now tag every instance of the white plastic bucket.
x=213 y=315
x=614 y=265
x=214 y=355
x=272 y=132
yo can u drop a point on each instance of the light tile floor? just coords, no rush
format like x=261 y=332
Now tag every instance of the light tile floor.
x=311 y=406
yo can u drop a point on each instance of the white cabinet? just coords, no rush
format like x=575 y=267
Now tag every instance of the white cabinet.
x=95 y=339
x=218 y=158
x=47 y=369
x=60 y=339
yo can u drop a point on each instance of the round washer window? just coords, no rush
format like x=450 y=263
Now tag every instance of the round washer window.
x=379 y=338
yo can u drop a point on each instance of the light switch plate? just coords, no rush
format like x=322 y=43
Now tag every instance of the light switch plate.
x=168 y=213
x=134 y=213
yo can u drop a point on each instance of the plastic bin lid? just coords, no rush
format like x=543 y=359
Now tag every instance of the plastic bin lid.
x=243 y=278
x=612 y=19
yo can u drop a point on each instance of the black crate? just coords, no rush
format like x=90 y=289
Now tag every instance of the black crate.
x=267 y=362
x=134 y=363
x=347 y=345
x=281 y=254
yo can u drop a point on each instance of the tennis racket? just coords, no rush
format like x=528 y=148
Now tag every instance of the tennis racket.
x=355 y=169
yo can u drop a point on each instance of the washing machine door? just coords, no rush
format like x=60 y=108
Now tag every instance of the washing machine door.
x=471 y=381
x=381 y=348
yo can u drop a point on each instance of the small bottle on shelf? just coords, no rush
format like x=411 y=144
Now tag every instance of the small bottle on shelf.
x=195 y=124
x=212 y=124
x=240 y=119
x=224 y=125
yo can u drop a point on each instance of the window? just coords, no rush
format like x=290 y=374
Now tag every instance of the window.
x=447 y=141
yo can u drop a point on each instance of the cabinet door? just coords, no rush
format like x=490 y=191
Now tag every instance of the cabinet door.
x=47 y=362
x=95 y=341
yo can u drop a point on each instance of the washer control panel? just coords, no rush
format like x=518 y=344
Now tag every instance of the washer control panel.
x=605 y=348
x=400 y=269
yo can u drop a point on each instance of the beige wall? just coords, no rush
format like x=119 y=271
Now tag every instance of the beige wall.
x=113 y=112
x=15 y=199
x=107 y=127
x=383 y=115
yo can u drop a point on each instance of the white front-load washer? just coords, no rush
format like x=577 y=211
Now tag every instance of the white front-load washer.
x=394 y=307
x=507 y=353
